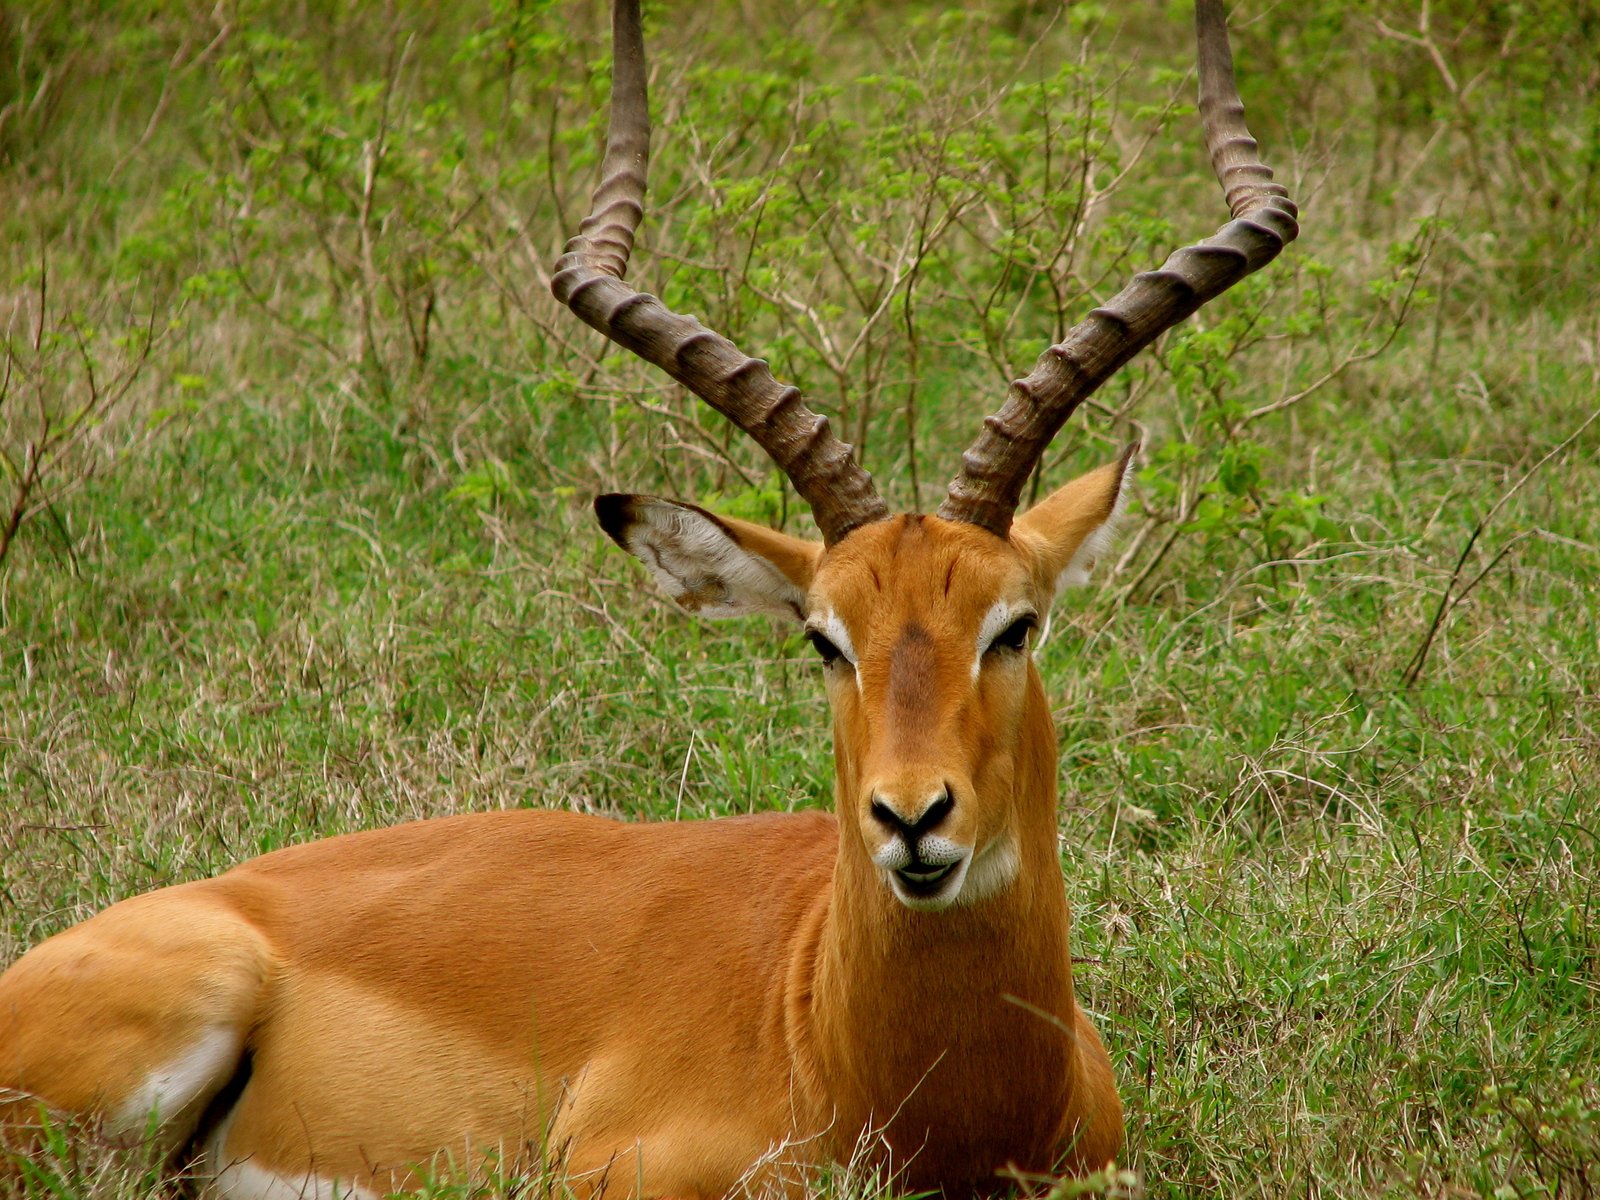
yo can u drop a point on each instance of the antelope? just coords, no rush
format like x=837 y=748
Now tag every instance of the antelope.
x=695 y=1009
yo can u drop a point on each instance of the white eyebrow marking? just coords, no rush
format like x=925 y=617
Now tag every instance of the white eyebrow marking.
x=837 y=633
x=832 y=628
x=1001 y=613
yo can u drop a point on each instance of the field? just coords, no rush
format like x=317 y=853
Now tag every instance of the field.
x=298 y=453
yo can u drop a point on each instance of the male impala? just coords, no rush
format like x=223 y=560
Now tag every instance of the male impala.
x=683 y=1010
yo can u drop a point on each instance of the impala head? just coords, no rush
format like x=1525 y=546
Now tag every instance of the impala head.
x=924 y=623
x=925 y=627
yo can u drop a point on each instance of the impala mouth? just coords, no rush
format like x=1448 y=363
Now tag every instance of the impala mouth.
x=924 y=880
x=928 y=877
x=927 y=886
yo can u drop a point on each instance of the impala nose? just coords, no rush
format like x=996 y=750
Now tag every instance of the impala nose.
x=911 y=828
x=921 y=860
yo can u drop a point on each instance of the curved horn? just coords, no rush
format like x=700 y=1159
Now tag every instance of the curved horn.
x=589 y=280
x=995 y=468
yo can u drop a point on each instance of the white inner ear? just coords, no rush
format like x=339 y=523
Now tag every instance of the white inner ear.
x=1076 y=572
x=696 y=563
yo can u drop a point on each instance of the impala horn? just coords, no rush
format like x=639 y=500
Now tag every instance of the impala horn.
x=589 y=280
x=993 y=471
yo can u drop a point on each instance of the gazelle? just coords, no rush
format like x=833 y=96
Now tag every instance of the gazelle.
x=684 y=1010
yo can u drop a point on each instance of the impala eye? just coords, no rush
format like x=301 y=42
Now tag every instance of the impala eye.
x=830 y=653
x=1015 y=635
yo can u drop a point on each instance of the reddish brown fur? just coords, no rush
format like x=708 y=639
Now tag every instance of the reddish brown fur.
x=669 y=1008
x=916 y=724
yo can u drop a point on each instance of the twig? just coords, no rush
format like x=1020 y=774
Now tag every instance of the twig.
x=1451 y=598
x=1354 y=356
x=176 y=69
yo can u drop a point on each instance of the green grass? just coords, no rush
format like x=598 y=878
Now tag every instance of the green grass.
x=311 y=573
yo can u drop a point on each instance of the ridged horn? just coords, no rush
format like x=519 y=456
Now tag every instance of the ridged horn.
x=589 y=280
x=995 y=469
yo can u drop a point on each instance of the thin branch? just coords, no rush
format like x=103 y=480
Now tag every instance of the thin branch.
x=1450 y=598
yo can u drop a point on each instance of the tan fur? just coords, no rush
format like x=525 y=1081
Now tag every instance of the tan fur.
x=685 y=1010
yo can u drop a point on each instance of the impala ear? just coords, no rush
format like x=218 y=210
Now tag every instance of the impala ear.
x=711 y=565
x=1066 y=532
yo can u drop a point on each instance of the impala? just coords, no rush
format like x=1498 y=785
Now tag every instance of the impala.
x=694 y=1009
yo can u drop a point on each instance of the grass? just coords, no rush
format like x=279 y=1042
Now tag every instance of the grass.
x=326 y=562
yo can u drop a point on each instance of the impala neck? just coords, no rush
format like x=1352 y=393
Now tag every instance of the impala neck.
x=898 y=993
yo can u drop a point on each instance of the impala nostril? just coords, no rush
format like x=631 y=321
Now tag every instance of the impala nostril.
x=936 y=812
x=886 y=816
x=895 y=822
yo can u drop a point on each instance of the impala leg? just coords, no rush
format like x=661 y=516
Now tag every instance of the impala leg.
x=1094 y=1122
x=130 y=1023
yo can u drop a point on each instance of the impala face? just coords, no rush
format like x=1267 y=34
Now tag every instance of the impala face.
x=925 y=628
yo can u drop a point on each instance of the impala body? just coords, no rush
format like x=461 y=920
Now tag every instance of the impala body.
x=677 y=1009
x=684 y=1010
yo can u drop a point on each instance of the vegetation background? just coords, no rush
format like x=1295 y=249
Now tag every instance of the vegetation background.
x=296 y=454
